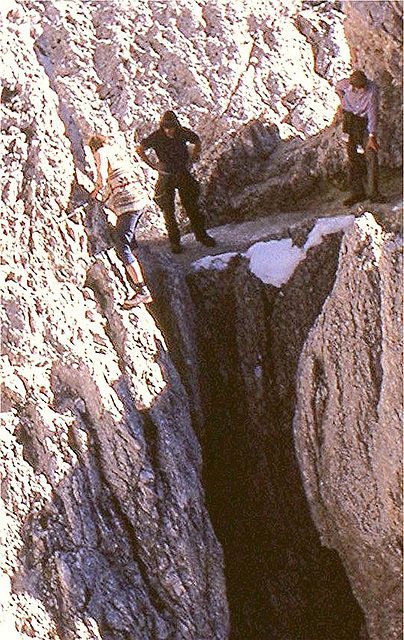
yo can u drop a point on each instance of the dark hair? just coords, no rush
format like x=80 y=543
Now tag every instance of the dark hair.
x=358 y=79
x=170 y=120
x=97 y=141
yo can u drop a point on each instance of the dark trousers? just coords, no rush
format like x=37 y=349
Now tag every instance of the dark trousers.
x=188 y=191
x=363 y=168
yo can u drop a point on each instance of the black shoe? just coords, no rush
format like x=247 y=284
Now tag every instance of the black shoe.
x=176 y=247
x=353 y=199
x=207 y=240
x=377 y=198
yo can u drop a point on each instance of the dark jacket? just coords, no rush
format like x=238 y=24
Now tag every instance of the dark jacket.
x=172 y=152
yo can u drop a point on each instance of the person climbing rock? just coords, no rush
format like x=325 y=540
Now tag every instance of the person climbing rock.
x=170 y=144
x=119 y=185
x=360 y=112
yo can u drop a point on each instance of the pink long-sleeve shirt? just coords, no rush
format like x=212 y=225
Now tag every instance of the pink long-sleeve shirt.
x=360 y=102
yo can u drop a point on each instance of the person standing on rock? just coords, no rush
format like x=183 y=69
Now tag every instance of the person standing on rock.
x=170 y=144
x=120 y=186
x=360 y=110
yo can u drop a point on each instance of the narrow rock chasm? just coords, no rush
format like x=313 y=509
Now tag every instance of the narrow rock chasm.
x=284 y=399
x=281 y=582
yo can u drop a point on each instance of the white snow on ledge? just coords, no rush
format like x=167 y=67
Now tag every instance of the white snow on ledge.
x=274 y=261
x=326 y=226
x=219 y=261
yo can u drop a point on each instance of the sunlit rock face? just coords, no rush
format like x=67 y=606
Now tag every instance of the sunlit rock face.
x=104 y=527
x=348 y=426
x=256 y=82
x=281 y=157
x=117 y=66
x=105 y=533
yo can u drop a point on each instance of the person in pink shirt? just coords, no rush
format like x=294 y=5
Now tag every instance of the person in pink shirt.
x=360 y=109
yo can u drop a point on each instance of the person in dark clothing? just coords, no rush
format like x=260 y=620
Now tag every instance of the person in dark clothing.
x=170 y=144
x=360 y=111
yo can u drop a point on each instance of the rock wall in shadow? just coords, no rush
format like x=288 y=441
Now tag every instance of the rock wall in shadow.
x=281 y=582
x=294 y=566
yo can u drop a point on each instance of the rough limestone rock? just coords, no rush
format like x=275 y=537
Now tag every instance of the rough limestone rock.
x=104 y=530
x=348 y=425
x=251 y=336
x=104 y=511
x=281 y=582
x=282 y=155
x=243 y=77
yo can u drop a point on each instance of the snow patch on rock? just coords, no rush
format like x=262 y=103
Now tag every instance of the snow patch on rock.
x=275 y=261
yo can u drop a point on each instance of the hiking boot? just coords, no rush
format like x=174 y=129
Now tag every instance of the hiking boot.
x=176 y=247
x=142 y=296
x=206 y=240
x=353 y=199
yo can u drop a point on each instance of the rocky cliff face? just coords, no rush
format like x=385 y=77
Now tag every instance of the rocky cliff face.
x=257 y=84
x=251 y=341
x=347 y=423
x=126 y=435
x=272 y=357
